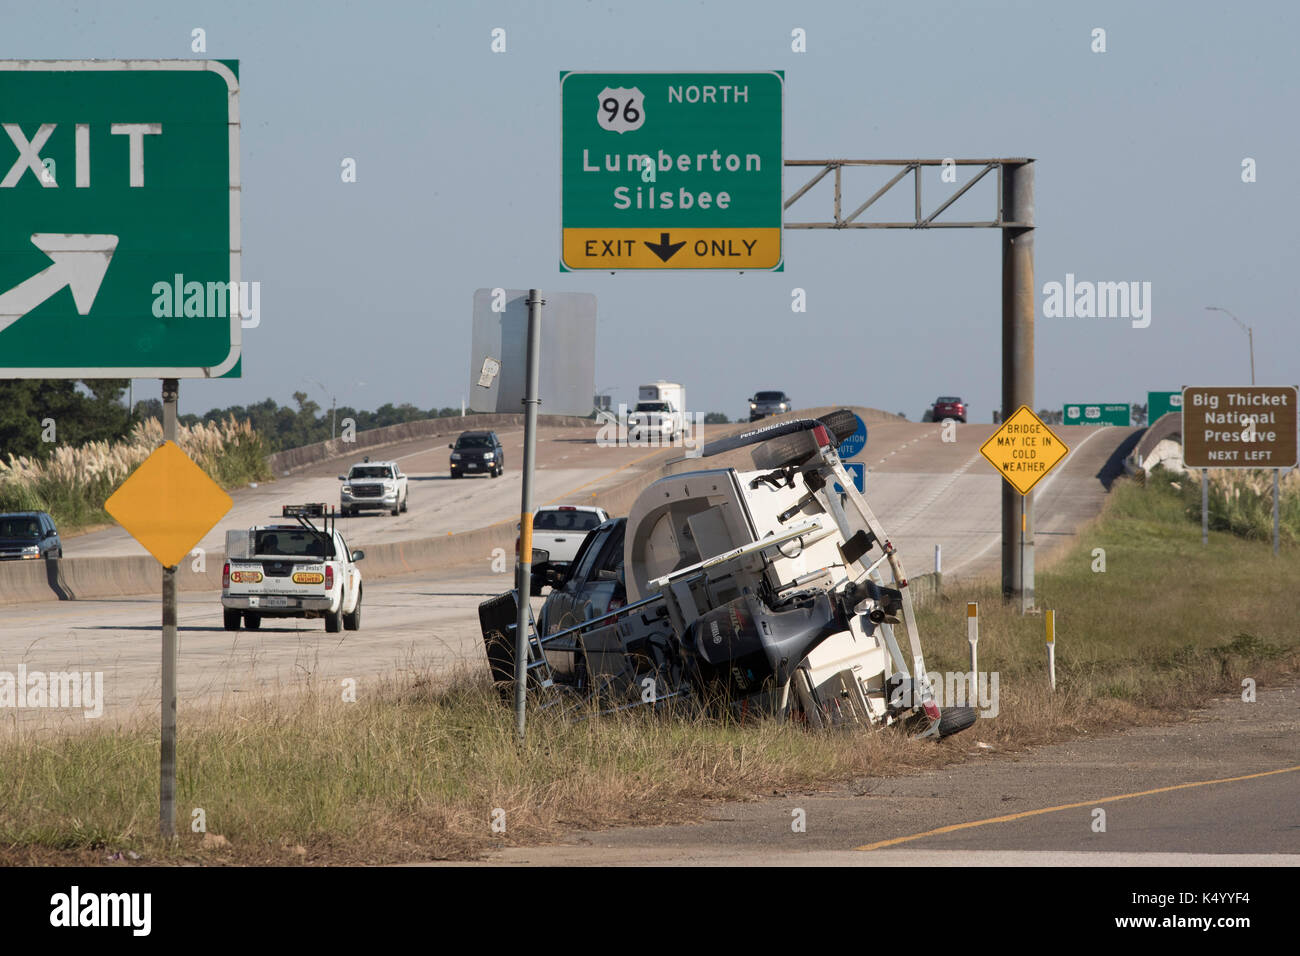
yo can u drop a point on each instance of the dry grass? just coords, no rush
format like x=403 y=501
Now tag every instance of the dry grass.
x=1240 y=501
x=409 y=773
x=74 y=482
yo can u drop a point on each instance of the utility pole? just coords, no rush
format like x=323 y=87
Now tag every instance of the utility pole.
x=1018 y=370
x=333 y=406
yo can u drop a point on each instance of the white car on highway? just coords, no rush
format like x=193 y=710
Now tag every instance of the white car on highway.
x=373 y=485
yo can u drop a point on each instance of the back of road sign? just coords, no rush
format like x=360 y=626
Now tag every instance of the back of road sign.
x=497 y=373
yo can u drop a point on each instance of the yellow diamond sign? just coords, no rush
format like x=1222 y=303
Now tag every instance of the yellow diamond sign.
x=1024 y=449
x=168 y=504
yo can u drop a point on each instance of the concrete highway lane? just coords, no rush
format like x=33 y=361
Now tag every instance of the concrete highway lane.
x=412 y=622
x=927 y=491
x=571 y=468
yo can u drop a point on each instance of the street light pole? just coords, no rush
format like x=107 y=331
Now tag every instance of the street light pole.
x=1250 y=336
x=334 y=404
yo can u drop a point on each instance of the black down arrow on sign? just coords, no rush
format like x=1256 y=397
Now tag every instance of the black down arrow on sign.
x=663 y=248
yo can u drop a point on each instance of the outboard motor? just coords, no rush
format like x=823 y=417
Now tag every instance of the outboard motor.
x=742 y=646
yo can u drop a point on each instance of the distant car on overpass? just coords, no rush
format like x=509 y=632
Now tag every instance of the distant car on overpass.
x=949 y=406
x=763 y=404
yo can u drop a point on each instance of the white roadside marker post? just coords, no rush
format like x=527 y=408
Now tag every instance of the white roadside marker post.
x=973 y=636
x=1051 y=648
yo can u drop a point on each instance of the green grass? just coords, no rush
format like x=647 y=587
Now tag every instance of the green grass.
x=416 y=768
x=1169 y=622
x=1240 y=501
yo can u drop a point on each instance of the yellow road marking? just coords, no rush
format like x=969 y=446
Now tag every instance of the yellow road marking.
x=1069 y=806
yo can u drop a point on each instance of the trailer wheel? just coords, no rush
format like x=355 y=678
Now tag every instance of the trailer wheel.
x=953 y=720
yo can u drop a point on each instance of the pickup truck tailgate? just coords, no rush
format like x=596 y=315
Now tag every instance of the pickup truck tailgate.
x=271 y=576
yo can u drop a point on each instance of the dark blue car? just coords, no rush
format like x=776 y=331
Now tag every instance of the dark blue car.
x=29 y=536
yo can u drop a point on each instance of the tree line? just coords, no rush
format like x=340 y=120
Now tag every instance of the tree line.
x=37 y=415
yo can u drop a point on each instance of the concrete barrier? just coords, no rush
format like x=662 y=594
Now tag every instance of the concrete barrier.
x=291 y=460
x=1161 y=444
x=80 y=579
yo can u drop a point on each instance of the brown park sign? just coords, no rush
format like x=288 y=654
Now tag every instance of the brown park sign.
x=1246 y=427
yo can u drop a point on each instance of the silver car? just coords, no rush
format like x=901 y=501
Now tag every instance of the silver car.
x=763 y=404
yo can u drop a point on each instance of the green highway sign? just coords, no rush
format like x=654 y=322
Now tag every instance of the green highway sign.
x=671 y=170
x=119 y=219
x=1162 y=403
x=1096 y=415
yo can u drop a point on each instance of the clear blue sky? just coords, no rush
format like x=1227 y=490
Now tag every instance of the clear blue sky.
x=1139 y=156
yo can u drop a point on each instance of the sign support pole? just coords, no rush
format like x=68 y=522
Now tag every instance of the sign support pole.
x=525 y=563
x=1017 y=369
x=1275 y=511
x=1205 y=506
x=167 y=756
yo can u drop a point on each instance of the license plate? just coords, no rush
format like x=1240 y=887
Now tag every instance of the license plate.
x=275 y=601
x=471 y=466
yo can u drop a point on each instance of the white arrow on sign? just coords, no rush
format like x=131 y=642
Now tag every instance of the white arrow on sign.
x=79 y=262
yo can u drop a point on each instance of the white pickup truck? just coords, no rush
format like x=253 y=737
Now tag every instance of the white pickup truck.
x=373 y=484
x=560 y=530
x=291 y=570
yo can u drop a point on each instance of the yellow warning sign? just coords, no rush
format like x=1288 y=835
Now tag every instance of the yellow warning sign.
x=168 y=504
x=1024 y=449
x=615 y=249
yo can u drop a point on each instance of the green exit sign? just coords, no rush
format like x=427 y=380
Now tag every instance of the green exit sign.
x=1097 y=414
x=671 y=170
x=1162 y=403
x=119 y=219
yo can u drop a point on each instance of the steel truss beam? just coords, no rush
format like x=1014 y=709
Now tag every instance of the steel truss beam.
x=920 y=220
